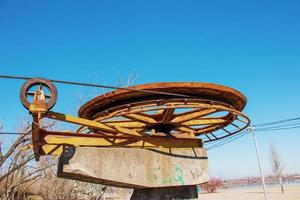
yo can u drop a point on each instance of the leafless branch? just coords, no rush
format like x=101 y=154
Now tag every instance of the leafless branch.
x=277 y=165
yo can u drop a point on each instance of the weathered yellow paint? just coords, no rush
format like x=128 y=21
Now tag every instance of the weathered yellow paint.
x=52 y=140
x=204 y=121
x=77 y=120
x=55 y=150
x=128 y=131
x=76 y=141
x=35 y=108
x=127 y=124
x=208 y=128
x=142 y=118
x=192 y=115
x=186 y=129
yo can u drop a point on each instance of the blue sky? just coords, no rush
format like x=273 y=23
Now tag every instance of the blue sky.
x=253 y=46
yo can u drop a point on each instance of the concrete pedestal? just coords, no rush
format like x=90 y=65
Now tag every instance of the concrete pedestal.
x=136 y=168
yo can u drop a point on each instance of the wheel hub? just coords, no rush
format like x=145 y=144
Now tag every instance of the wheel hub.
x=165 y=128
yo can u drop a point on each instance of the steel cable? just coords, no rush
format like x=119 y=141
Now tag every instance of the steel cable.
x=277 y=122
x=97 y=85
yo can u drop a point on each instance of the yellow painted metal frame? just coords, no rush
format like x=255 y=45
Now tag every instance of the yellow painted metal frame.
x=52 y=142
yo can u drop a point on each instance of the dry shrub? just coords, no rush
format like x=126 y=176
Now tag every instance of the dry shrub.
x=212 y=185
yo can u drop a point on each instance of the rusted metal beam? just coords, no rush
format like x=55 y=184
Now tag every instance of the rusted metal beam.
x=36 y=136
x=80 y=121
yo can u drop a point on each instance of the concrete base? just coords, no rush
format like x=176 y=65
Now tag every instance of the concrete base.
x=135 y=168
x=178 y=193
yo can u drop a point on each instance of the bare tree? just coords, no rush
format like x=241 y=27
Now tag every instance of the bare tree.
x=277 y=165
x=18 y=170
x=212 y=185
x=21 y=177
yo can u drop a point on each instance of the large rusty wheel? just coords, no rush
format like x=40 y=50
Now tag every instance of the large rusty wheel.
x=209 y=111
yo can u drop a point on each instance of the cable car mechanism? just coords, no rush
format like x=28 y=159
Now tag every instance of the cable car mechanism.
x=201 y=113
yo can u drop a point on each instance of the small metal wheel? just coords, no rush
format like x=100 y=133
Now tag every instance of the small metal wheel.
x=32 y=85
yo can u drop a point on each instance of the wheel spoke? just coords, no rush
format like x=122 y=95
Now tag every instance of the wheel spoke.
x=30 y=93
x=193 y=114
x=206 y=129
x=167 y=115
x=186 y=129
x=49 y=96
x=141 y=117
x=126 y=124
x=204 y=121
x=127 y=131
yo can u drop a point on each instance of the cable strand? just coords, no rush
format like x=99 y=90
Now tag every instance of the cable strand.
x=97 y=85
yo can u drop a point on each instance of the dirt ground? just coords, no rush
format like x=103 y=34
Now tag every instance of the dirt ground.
x=274 y=193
